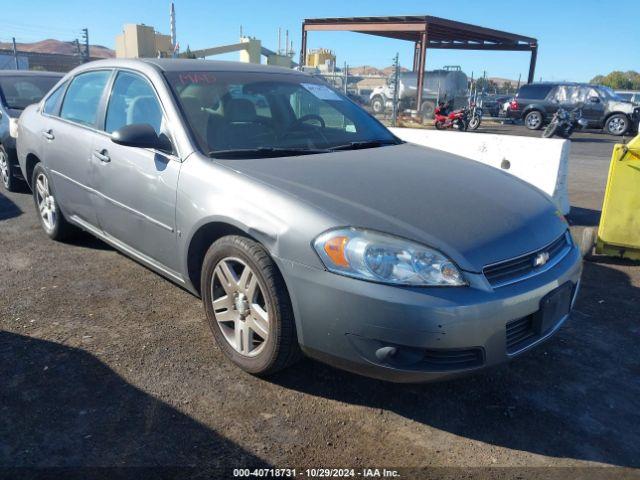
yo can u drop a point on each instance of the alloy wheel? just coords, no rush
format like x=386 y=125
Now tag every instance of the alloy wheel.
x=4 y=168
x=46 y=202
x=533 y=120
x=240 y=306
x=617 y=125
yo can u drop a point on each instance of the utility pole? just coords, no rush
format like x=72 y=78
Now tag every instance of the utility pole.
x=172 y=27
x=345 y=76
x=85 y=40
x=396 y=85
x=15 y=53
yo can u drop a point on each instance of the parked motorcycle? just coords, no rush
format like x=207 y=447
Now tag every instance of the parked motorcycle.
x=474 y=113
x=564 y=123
x=445 y=118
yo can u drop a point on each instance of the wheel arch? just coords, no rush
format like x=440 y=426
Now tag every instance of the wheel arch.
x=203 y=237
x=530 y=108
x=31 y=160
x=615 y=112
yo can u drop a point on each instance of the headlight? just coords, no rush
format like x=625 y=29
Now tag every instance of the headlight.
x=13 y=127
x=386 y=259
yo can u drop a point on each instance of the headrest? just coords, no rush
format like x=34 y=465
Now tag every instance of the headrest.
x=239 y=110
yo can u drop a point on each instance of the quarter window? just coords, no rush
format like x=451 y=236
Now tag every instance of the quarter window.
x=534 y=92
x=83 y=96
x=52 y=103
x=133 y=101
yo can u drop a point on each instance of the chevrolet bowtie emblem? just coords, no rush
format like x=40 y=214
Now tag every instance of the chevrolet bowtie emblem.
x=541 y=259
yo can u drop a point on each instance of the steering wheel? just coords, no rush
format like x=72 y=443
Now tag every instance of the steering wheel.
x=306 y=118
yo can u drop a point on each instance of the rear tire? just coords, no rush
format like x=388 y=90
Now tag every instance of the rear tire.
x=533 y=120
x=249 y=311
x=378 y=105
x=439 y=125
x=427 y=109
x=461 y=125
x=47 y=208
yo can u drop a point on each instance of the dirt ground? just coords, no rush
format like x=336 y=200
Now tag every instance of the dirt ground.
x=104 y=363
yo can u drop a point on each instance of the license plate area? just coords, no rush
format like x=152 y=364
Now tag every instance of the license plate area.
x=553 y=307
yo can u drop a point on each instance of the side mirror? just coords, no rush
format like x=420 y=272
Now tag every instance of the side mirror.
x=141 y=135
x=594 y=99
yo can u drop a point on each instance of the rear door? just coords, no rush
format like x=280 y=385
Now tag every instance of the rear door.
x=136 y=187
x=69 y=134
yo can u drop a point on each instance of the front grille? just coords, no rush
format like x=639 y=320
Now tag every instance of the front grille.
x=520 y=333
x=510 y=271
x=450 y=359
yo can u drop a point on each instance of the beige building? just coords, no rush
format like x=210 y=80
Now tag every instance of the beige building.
x=322 y=59
x=142 y=41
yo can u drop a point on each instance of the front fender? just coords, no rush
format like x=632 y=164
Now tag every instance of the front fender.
x=209 y=192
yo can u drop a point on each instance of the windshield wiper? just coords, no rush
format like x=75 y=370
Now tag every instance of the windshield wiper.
x=364 y=144
x=264 y=152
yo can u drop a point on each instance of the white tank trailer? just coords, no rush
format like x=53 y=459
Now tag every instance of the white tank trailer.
x=442 y=84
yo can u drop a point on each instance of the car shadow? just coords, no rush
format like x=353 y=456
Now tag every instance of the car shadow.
x=573 y=397
x=585 y=217
x=86 y=240
x=63 y=407
x=8 y=209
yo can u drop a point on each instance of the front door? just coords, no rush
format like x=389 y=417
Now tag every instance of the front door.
x=593 y=109
x=136 y=187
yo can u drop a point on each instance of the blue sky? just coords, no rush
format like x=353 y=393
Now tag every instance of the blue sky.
x=578 y=39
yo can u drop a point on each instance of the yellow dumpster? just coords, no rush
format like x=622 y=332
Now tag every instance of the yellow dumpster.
x=619 y=231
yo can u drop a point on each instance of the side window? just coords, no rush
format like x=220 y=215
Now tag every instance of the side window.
x=83 y=97
x=52 y=104
x=132 y=101
x=533 y=92
x=570 y=94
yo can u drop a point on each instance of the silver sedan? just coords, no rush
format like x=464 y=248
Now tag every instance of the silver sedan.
x=301 y=221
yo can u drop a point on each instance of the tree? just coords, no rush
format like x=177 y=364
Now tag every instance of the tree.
x=618 y=80
x=188 y=53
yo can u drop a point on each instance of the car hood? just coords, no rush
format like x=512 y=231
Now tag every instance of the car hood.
x=473 y=213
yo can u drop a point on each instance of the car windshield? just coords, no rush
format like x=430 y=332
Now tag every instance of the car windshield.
x=21 y=91
x=609 y=94
x=236 y=114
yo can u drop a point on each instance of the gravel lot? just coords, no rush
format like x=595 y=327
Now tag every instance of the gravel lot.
x=104 y=363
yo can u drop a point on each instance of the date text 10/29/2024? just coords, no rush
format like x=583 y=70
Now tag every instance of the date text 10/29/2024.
x=315 y=473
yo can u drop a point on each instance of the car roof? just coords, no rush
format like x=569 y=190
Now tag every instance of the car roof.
x=29 y=73
x=555 y=84
x=186 y=65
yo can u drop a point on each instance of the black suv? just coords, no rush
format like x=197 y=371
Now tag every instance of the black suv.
x=18 y=89
x=536 y=103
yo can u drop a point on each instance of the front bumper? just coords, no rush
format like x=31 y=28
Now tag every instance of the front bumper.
x=436 y=332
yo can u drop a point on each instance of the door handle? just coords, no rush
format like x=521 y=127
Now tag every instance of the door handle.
x=102 y=155
x=48 y=134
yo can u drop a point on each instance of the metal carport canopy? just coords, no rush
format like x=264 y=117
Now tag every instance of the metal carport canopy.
x=434 y=32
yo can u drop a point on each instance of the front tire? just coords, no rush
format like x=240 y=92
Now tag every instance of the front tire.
x=533 y=120
x=9 y=180
x=248 y=307
x=550 y=130
x=51 y=218
x=617 y=124
x=474 y=122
